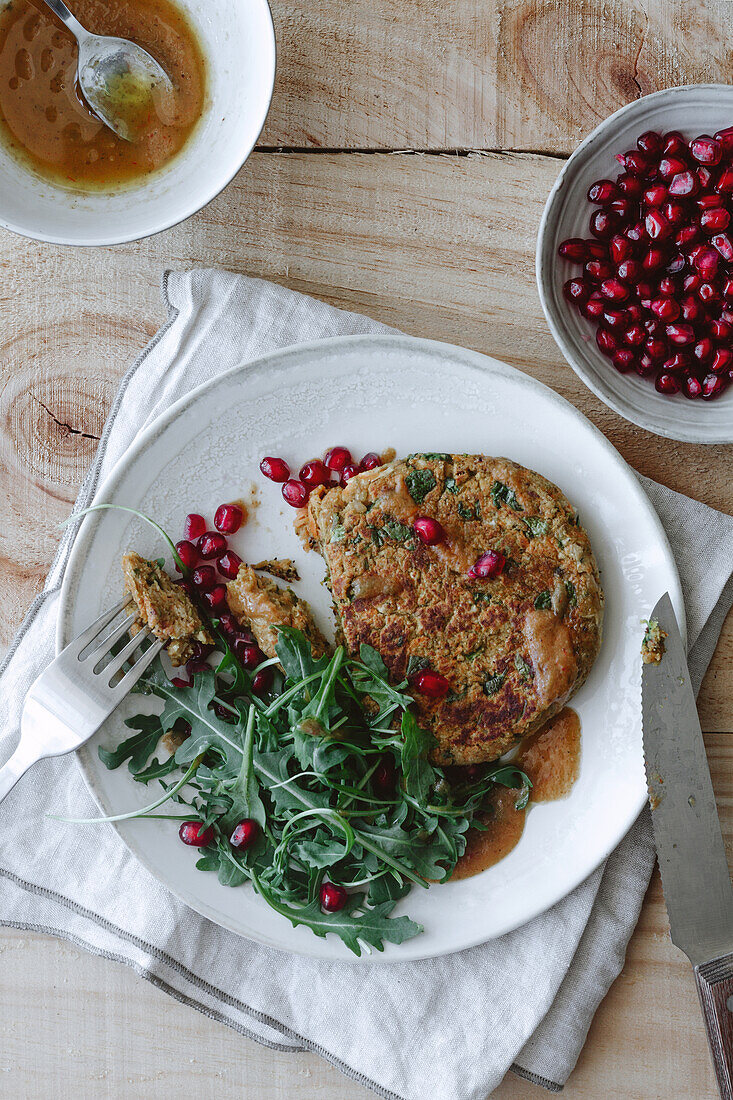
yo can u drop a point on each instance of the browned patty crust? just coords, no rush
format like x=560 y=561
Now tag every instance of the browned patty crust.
x=165 y=608
x=514 y=649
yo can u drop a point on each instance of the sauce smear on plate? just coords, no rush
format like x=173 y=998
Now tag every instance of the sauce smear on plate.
x=43 y=118
x=551 y=759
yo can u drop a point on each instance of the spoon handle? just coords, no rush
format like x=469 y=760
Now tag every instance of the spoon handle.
x=58 y=7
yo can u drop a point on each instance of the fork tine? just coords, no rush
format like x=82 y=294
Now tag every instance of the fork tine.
x=133 y=675
x=125 y=653
x=88 y=635
x=111 y=639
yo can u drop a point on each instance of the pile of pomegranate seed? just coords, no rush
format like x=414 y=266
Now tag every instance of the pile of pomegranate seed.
x=657 y=273
x=335 y=468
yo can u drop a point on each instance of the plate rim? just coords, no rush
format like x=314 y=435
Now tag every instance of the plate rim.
x=606 y=395
x=280 y=360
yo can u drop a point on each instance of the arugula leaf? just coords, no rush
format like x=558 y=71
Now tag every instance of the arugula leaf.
x=502 y=494
x=419 y=483
x=543 y=602
x=419 y=775
x=138 y=748
x=245 y=789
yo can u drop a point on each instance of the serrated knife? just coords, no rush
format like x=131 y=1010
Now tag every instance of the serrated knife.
x=695 y=876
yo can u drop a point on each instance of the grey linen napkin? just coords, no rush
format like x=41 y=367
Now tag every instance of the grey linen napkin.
x=447 y=1028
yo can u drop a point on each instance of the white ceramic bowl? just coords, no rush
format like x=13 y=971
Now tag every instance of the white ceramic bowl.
x=695 y=109
x=238 y=42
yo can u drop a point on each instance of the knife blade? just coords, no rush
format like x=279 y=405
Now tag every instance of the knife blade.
x=692 y=860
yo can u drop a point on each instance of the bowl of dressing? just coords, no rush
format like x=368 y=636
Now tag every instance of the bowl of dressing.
x=66 y=178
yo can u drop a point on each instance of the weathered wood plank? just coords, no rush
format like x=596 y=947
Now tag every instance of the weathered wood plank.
x=406 y=239
x=481 y=74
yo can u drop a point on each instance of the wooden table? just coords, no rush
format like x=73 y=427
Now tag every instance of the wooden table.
x=402 y=173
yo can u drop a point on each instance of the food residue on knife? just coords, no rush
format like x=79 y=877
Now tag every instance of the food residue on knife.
x=652 y=646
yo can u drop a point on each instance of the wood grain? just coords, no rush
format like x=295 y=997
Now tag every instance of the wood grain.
x=481 y=74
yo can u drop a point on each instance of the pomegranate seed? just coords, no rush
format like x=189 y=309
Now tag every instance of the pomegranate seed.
x=179 y=682
x=228 y=623
x=204 y=577
x=594 y=307
x=606 y=342
x=656 y=348
x=216 y=597
x=678 y=362
x=674 y=212
x=596 y=250
x=722 y=361
x=194 y=526
x=691 y=387
x=620 y=248
x=245 y=834
x=384 y=779
x=667 y=287
x=667 y=383
x=338 y=457
x=650 y=142
x=615 y=290
x=688 y=235
x=704 y=176
x=347 y=473
x=629 y=270
x=635 y=163
x=655 y=194
x=680 y=334
x=645 y=366
x=228 y=518
x=275 y=468
x=692 y=281
x=197 y=664
x=691 y=310
x=295 y=493
x=666 y=309
x=630 y=186
x=674 y=145
x=707 y=293
x=602 y=191
x=314 y=473
x=623 y=360
x=194 y=833
x=653 y=327
x=228 y=564
x=598 y=270
x=706 y=263
x=728 y=290
x=602 y=224
x=623 y=209
x=725 y=182
x=708 y=202
x=715 y=220
x=636 y=233
x=654 y=258
x=703 y=350
x=657 y=225
x=713 y=386
x=634 y=336
x=247 y=652
x=430 y=683
x=722 y=242
x=188 y=554
x=488 y=566
x=644 y=290
x=371 y=461
x=676 y=264
x=333 y=897
x=211 y=545
x=261 y=681
x=669 y=167
x=635 y=313
x=187 y=587
x=616 y=318
x=706 y=150
x=683 y=184
x=721 y=330
x=429 y=530
x=725 y=138
x=575 y=290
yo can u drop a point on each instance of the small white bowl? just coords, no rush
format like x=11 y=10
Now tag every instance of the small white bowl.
x=695 y=109
x=238 y=42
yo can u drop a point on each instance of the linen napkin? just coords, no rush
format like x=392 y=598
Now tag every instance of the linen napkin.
x=448 y=1028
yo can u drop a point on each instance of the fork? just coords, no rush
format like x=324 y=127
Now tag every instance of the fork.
x=71 y=699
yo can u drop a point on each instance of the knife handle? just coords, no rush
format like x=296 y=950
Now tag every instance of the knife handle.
x=715 y=988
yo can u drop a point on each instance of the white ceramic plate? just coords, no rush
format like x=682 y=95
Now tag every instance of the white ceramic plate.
x=695 y=109
x=370 y=393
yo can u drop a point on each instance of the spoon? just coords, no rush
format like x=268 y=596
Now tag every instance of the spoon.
x=122 y=84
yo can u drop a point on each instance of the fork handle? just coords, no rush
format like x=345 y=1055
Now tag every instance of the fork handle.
x=10 y=773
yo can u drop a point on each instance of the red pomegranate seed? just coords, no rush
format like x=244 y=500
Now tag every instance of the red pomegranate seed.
x=187 y=587
x=488 y=566
x=722 y=361
x=275 y=468
x=314 y=473
x=179 y=682
x=706 y=292
x=211 y=545
x=674 y=212
x=623 y=360
x=653 y=327
x=245 y=834
x=667 y=288
x=596 y=250
x=228 y=518
x=338 y=457
x=384 y=779
x=725 y=138
x=703 y=350
x=333 y=897
x=598 y=270
x=261 y=681
x=188 y=554
x=655 y=194
x=691 y=387
x=715 y=220
x=706 y=150
x=721 y=330
x=194 y=526
x=656 y=348
x=594 y=307
x=630 y=186
x=634 y=336
x=680 y=334
x=691 y=309
x=204 y=577
x=615 y=290
x=674 y=145
x=683 y=184
x=723 y=244
x=678 y=362
x=623 y=209
x=247 y=652
x=194 y=833
x=616 y=318
x=197 y=664
x=228 y=623
x=706 y=262
x=667 y=383
x=713 y=385
x=371 y=461
x=228 y=564
x=602 y=224
x=654 y=258
x=704 y=176
x=691 y=281
x=635 y=162
x=657 y=226
x=629 y=270
x=669 y=167
x=347 y=473
x=635 y=313
x=644 y=290
x=650 y=142
x=687 y=236
x=295 y=493
x=728 y=290
x=575 y=290
x=620 y=248
x=645 y=366
x=602 y=192
x=606 y=342
x=216 y=597
x=429 y=530
x=676 y=264
x=666 y=309
x=725 y=182
x=430 y=683
x=708 y=202
x=636 y=233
